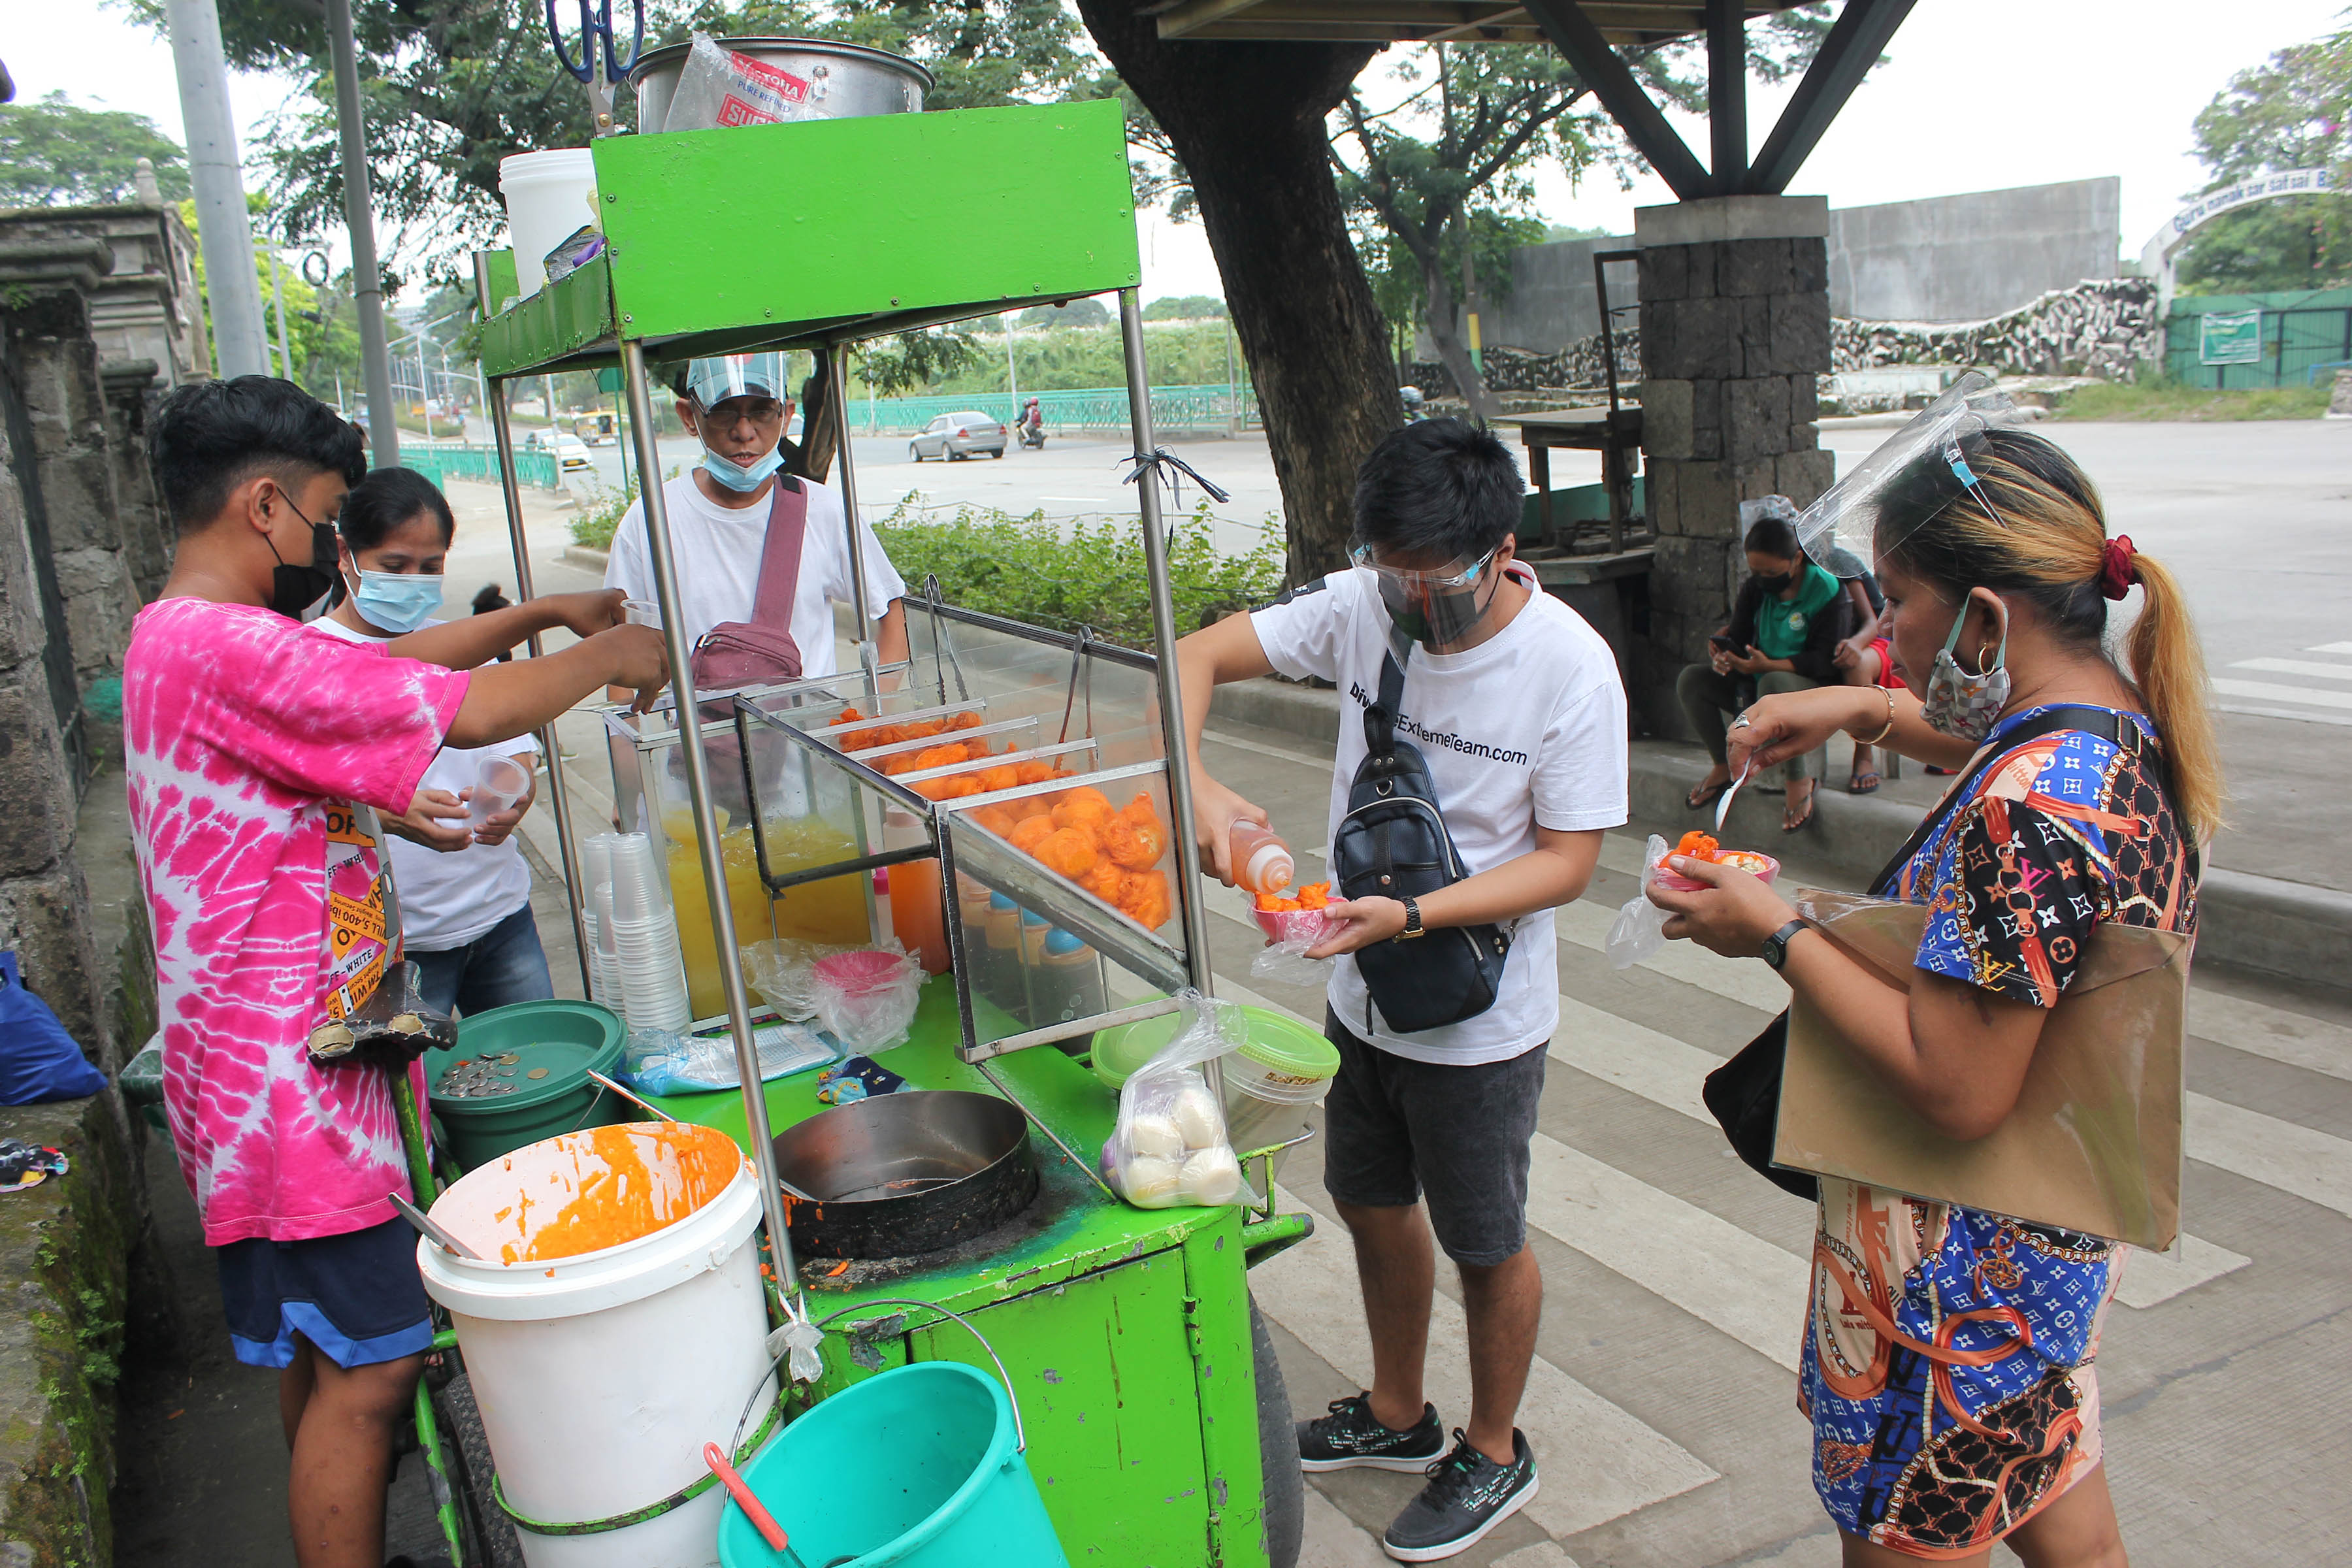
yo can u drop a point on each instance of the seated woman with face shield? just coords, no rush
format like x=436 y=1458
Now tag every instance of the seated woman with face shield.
x=1783 y=636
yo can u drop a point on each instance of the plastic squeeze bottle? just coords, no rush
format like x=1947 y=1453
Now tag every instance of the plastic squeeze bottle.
x=1260 y=859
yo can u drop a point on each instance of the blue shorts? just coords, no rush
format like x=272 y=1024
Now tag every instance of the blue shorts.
x=357 y=1296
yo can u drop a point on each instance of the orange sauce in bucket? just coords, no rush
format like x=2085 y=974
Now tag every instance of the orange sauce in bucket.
x=608 y=1185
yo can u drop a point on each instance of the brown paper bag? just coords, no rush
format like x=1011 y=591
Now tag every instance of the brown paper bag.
x=2094 y=1143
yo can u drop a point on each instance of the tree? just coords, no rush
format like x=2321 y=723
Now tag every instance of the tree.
x=1244 y=124
x=2293 y=112
x=321 y=326
x=1445 y=171
x=53 y=153
x=1185 y=308
x=1076 y=313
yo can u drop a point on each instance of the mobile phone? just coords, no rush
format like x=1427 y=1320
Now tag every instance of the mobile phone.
x=1723 y=642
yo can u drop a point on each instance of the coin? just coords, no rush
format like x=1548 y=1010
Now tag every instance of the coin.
x=536 y=1072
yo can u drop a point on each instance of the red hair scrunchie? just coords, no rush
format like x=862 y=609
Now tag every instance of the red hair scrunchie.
x=2117 y=571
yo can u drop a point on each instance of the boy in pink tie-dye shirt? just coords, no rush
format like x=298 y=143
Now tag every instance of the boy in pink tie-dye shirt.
x=250 y=742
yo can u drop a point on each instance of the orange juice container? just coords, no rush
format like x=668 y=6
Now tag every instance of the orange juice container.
x=1261 y=860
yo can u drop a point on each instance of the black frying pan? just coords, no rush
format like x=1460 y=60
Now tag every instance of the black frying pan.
x=906 y=1172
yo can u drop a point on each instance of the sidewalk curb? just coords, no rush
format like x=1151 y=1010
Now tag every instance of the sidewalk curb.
x=584 y=557
x=2248 y=922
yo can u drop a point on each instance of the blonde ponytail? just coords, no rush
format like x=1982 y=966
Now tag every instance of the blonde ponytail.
x=2168 y=665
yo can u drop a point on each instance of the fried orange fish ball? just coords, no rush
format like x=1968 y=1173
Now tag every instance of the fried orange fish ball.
x=1083 y=808
x=1314 y=896
x=953 y=788
x=1033 y=808
x=1699 y=845
x=964 y=721
x=997 y=820
x=1035 y=772
x=901 y=763
x=1067 y=852
x=1030 y=833
x=1104 y=882
x=938 y=757
x=1143 y=895
x=1135 y=837
x=994 y=778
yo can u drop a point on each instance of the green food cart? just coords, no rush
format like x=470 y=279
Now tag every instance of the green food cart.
x=1158 y=1427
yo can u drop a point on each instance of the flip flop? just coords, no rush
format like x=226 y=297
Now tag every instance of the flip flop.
x=1704 y=795
x=1812 y=798
x=1866 y=782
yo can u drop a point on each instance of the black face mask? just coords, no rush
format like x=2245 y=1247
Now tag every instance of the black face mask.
x=1774 y=582
x=294 y=589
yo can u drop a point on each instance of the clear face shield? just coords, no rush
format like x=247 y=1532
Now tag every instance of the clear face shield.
x=1907 y=477
x=1435 y=609
x=711 y=381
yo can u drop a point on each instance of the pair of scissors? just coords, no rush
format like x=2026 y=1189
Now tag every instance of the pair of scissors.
x=599 y=77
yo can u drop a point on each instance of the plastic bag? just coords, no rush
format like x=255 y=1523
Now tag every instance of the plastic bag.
x=1641 y=928
x=1170 y=1145
x=797 y=1341
x=784 y=971
x=657 y=1061
x=38 y=1060
x=1285 y=957
x=865 y=997
x=391 y=1030
x=719 y=88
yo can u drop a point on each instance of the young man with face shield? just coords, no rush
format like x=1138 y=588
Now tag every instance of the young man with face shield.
x=719 y=510
x=1517 y=707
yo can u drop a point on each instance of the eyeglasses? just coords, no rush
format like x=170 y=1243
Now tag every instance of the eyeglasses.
x=1422 y=582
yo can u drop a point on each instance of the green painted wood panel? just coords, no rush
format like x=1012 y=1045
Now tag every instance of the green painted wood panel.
x=840 y=220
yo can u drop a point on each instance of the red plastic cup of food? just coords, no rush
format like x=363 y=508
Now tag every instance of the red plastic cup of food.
x=1754 y=862
x=1309 y=926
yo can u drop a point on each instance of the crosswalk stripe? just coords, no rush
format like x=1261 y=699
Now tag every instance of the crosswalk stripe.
x=1609 y=1462
x=2294 y=1039
x=2331 y=648
x=2310 y=667
x=2150 y=1277
x=2292 y=1158
x=1726 y=1278
x=1587 y=924
x=1320 y=765
x=2270 y=691
x=1332 y=1540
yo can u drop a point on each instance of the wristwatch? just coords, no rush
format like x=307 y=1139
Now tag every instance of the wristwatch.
x=1412 y=926
x=1776 y=946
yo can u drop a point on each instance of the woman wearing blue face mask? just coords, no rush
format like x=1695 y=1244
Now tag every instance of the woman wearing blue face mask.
x=722 y=512
x=464 y=888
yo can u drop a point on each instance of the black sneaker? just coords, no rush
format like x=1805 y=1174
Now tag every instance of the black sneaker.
x=1352 y=1437
x=1468 y=1494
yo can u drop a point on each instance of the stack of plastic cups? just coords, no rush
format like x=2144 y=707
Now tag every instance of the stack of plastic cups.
x=596 y=869
x=605 y=958
x=644 y=936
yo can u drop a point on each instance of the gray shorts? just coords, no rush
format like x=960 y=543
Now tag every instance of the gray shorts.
x=1397 y=1130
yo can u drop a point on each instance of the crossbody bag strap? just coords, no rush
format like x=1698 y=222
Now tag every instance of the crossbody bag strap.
x=1380 y=719
x=2092 y=720
x=780 y=555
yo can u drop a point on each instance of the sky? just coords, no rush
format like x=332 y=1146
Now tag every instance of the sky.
x=1976 y=95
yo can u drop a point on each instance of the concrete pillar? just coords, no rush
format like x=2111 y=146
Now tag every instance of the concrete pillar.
x=46 y=325
x=1735 y=329
x=147 y=535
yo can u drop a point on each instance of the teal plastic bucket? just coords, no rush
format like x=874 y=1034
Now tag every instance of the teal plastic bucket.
x=919 y=1467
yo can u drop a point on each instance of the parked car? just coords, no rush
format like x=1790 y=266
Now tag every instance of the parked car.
x=571 y=453
x=956 y=435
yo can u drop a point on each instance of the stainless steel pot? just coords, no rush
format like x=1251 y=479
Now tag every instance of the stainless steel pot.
x=846 y=81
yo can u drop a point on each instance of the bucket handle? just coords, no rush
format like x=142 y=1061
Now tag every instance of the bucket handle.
x=1020 y=1432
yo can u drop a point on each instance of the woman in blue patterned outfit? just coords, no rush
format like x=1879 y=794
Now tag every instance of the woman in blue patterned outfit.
x=1948 y=1359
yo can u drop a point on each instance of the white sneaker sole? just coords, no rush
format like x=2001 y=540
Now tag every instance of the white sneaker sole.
x=1456 y=1548
x=1410 y=1467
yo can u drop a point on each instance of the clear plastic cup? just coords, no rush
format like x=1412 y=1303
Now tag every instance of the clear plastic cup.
x=641 y=613
x=499 y=782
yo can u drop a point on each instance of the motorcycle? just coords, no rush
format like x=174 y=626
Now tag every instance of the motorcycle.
x=1032 y=435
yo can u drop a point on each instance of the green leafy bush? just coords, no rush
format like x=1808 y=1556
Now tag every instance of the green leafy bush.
x=1087 y=572
x=597 y=523
x=2172 y=400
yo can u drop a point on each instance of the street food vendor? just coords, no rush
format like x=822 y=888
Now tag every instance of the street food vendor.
x=249 y=742
x=720 y=512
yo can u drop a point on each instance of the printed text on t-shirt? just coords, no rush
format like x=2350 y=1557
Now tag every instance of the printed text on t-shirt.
x=1469 y=748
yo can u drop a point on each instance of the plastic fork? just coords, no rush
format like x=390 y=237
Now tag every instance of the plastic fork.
x=1723 y=807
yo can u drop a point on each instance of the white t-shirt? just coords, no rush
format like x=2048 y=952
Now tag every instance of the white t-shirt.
x=1526 y=730
x=448 y=899
x=718 y=554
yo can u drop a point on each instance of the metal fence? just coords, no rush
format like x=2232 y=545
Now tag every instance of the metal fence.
x=2297 y=336
x=1211 y=407
x=443 y=463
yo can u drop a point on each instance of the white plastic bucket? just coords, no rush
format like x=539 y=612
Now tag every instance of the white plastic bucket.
x=599 y=1376
x=549 y=195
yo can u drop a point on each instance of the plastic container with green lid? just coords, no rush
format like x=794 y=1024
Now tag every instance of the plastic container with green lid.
x=1282 y=1068
x=558 y=1041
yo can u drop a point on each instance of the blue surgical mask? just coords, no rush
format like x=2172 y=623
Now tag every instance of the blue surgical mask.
x=399 y=602
x=738 y=478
